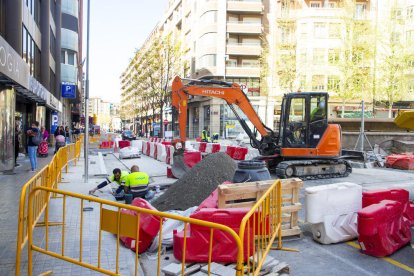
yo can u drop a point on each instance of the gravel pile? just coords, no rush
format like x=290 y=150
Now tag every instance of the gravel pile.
x=197 y=184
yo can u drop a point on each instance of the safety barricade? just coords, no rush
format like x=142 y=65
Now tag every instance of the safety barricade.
x=152 y=149
x=136 y=144
x=48 y=177
x=148 y=149
x=144 y=147
x=161 y=152
x=196 y=146
x=111 y=220
x=170 y=155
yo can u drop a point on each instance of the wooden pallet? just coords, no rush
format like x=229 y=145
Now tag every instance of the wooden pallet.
x=246 y=195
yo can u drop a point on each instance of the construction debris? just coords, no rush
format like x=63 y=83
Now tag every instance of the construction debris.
x=198 y=183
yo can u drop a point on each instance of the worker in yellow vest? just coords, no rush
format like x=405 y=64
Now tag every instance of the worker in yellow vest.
x=137 y=182
x=118 y=177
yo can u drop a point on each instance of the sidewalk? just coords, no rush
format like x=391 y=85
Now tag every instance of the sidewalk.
x=10 y=186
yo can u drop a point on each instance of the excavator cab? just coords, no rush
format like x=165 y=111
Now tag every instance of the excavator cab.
x=304 y=119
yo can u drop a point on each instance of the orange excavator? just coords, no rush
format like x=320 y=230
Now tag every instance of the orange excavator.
x=304 y=146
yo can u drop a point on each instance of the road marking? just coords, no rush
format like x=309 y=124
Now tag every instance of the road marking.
x=387 y=259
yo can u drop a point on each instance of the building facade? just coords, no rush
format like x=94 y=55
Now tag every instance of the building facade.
x=30 y=70
x=71 y=60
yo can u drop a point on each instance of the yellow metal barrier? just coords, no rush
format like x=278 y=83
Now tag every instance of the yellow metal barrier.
x=48 y=177
x=264 y=223
x=120 y=223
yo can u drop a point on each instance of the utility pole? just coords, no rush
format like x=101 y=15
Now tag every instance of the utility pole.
x=86 y=146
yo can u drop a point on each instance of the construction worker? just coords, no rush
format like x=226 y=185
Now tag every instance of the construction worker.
x=137 y=183
x=205 y=135
x=318 y=112
x=119 y=177
x=215 y=138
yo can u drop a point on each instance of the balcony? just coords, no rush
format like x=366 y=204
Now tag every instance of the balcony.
x=242 y=71
x=241 y=27
x=243 y=6
x=286 y=14
x=244 y=49
x=321 y=12
x=69 y=73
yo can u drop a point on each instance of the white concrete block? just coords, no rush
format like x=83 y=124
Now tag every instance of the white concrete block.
x=332 y=211
x=161 y=152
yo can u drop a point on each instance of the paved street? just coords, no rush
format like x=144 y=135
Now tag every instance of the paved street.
x=340 y=259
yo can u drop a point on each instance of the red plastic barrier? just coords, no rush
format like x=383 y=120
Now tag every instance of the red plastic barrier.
x=198 y=139
x=149 y=226
x=148 y=149
x=382 y=229
x=168 y=158
x=203 y=146
x=155 y=151
x=224 y=248
x=230 y=150
x=210 y=202
x=400 y=195
x=124 y=143
x=240 y=153
x=400 y=161
x=191 y=158
x=106 y=144
x=169 y=173
x=167 y=143
x=215 y=148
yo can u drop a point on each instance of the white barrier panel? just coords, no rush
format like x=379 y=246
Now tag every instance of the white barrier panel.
x=209 y=148
x=152 y=149
x=172 y=149
x=144 y=149
x=136 y=144
x=129 y=152
x=161 y=152
x=223 y=148
x=252 y=153
x=197 y=146
x=332 y=210
x=189 y=146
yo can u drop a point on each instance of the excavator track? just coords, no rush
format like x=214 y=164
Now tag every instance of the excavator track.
x=313 y=169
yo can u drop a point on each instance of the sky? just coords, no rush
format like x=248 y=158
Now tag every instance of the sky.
x=117 y=29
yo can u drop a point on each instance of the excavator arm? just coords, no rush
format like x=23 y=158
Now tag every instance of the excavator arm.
x=233 y=95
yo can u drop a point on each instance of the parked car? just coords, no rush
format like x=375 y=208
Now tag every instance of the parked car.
x=128 y=135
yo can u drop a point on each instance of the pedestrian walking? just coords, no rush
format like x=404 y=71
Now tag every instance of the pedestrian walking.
x=45 y=134
x=68 y=135
x=16 y=143
x=34 y=139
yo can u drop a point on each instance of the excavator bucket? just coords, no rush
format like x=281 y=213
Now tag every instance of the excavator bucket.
x=405 y=120
x=179 y=168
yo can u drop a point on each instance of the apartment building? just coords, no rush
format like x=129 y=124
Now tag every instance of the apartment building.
x=103 y=111
x=71 y=60
x=221 y=40
x=313 y=32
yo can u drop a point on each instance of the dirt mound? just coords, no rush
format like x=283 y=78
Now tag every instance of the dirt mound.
x=197 y=184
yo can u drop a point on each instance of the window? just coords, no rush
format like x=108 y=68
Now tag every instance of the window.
x=285 y=35
x=52 y=44
x=396 y=14
x=250 y=63
x=208 y=18
x=302 y=56
x=315 y=4
x=318 y=56
x=28 y=50
x=232 y=62
x=302 y=81
x=360 y=11
x=410 y=13
x=410 y=37
x=303 y=30
x=331 y=5
x=320 y=30
x=395 y=37
x=297 y=110
x=207 y=60
x=206 y=116
x=208 y=39
x=52 y=82
x=333 y=56
x=333 y=83
x=318 y=82
x=317 y=108
x=334 y=30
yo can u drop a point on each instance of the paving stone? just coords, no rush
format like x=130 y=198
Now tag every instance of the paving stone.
x=218 y=269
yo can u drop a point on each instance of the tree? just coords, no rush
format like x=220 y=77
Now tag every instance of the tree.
x=394 y=60
x=355 y=60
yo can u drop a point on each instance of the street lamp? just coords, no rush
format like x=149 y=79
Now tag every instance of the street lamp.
x=86 y=136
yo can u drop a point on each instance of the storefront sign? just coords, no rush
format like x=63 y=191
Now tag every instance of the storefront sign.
x=55 y=122
x=12 y=65
x=68 y=90
x=38 y=89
